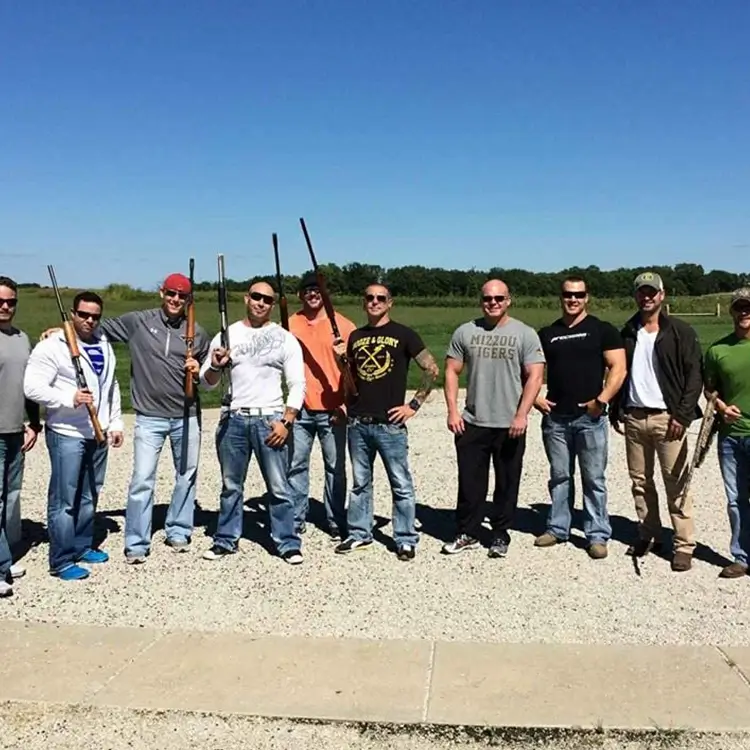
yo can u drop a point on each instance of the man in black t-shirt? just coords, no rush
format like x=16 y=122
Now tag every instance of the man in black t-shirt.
x=579 y=348
x=379 y=354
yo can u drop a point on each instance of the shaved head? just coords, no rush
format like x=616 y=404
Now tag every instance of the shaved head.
x=495 y=286
x=263 y=287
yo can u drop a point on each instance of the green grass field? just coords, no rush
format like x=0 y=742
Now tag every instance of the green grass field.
x=435 y=324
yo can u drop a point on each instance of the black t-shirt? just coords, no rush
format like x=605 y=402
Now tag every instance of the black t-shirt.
x=380 y=356
x=575 y=361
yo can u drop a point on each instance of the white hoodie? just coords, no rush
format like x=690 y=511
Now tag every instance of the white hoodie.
x=50 y=381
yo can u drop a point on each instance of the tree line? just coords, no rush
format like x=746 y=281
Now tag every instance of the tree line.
x=683 y=279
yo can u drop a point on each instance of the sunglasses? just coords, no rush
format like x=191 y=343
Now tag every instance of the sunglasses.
x=487 y=298
x=88 y=316
x=378 y=297
x=9 y=301
x=741 y=309
x=173 y=293
x=574 y=295
x=311 y=290
x=257 y=297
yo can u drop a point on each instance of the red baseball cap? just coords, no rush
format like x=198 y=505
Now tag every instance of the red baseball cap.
x=176 y=282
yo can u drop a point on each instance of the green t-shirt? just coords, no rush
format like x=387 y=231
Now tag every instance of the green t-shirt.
x=727 y=369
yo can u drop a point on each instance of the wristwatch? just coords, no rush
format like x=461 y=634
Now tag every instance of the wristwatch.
x=286 y=423
x=414 y=404
x=601 y=404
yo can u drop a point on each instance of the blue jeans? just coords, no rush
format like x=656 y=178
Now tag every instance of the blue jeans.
x=585 y=438
x=734 y=459
x=76 y=478
x=391 y=442
x=333 y=446
x=237 y=437
x=148 y=441
x=11 y=476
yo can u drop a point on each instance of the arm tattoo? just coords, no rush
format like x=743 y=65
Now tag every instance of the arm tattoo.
x=430 y=372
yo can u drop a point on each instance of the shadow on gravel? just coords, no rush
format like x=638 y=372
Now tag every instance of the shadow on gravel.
x=625 y=531
x=33 y=533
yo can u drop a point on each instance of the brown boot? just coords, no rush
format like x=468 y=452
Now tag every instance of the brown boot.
x=681 y=561
x=597 y=551
x=735 y=570
x=547 y=540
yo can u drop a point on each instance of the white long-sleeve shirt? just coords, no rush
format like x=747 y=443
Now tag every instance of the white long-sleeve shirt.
x=259 y=358
x=50 y=381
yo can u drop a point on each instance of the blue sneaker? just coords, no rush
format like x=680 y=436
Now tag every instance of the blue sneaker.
x=93 y=556
x=73 y=573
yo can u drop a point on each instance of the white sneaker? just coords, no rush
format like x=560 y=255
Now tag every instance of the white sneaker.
x=5 y=589
x=17 y=571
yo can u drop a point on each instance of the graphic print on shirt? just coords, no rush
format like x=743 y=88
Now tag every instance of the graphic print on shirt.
x=259 y=346
x=373 y=356
x=96 y=357
x=493 y=346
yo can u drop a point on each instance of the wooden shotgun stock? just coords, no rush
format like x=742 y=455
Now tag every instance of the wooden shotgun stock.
x=75 y=355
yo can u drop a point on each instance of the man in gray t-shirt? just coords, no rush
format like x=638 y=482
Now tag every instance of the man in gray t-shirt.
x=15 y=437
x=505 y=368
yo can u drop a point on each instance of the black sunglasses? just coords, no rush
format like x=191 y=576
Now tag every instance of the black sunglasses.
x=86 y=315
x=574 y=295
x=487 y=298
x=378 y=297
x=173 y=293
x=257 y=297
x=9 y=301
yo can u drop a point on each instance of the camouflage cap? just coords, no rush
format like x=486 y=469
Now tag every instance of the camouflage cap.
x=649 y=278
x=740 y=295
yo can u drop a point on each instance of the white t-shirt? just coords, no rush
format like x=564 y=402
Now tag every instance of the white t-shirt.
x=259 y=358
x=644 y=390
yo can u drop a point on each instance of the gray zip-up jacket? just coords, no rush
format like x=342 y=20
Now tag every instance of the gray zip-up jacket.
x=157 y=360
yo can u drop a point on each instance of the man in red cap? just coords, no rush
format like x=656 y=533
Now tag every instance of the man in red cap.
x=156 y=340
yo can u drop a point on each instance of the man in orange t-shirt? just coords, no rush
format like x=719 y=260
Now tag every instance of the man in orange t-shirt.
x=323 y=412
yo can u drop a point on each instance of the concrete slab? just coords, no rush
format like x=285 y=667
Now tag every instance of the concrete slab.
x=63 y=663
x=321 y=678
x=586 y=686
x=740 y=656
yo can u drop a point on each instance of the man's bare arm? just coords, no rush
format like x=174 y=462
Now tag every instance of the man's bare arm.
x=616 y=371
x=533 y=380
x=453 y=369
x=430 y=372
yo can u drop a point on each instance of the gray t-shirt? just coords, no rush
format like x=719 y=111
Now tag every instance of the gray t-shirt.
x=494 y=359
x=14 y=354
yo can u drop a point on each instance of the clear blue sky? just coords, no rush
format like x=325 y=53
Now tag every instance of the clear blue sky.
x=533 y=134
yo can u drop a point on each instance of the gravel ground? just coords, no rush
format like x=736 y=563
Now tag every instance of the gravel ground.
x=554 y=595
x=33 y=726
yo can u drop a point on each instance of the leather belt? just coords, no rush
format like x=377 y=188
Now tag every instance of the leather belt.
x=253 y=411
x=367 y=419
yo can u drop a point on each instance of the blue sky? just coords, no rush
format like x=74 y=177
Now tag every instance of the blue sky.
x=136 y=133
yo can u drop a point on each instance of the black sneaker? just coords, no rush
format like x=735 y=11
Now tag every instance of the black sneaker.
x=459 y=544
x=406 y=552
x=499 y=547
x=351 y=545
x=216 y=553
x=334 y=533
x=292 y=556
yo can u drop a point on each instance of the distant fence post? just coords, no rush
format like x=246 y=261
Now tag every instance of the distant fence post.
x=716 y=314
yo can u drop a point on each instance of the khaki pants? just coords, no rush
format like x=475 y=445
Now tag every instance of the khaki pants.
x=645 y=435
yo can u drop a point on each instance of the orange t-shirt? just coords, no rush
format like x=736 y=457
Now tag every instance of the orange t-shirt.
x=322 y=374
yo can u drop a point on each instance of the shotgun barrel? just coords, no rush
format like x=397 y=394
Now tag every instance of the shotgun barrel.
x=75 y=356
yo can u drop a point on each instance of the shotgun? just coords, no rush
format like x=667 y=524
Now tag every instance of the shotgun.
x=189 y=382
x=708 y=428
x=190 y=335
x=75 y=355
x=346 y=372
x=283 y=309
x=226 y=399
